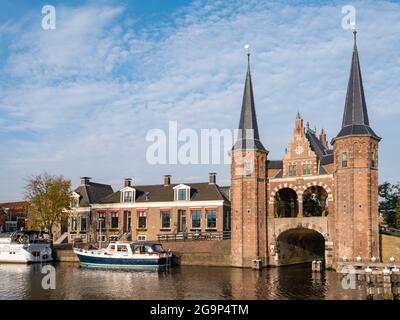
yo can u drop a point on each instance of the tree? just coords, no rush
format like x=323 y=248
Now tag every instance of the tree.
x=389 y=195
x=49 y=199
x=396 y=219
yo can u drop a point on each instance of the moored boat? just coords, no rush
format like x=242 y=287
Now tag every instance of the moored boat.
x=25 y=246
x=127 y=255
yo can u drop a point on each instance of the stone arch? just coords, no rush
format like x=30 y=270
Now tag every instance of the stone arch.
x=315 y=201
x=282 y=186
x=319 y=184
x=296 y=245
x=286 y=203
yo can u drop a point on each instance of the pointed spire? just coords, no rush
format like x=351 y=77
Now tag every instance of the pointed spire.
x=248 y=137
x=355 y=116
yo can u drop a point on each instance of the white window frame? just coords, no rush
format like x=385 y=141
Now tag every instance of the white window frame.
x=128 y=189
x=75 y=200
x=181 y=187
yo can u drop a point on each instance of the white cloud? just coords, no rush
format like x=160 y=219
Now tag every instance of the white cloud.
x=90 y=91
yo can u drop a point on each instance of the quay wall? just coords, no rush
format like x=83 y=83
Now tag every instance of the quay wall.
x=201 y=253
x=193 y=253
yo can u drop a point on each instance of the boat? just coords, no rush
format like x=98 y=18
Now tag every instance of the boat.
x=25 y=246
x=125 y=255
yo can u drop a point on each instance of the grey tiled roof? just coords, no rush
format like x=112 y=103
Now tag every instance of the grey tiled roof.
x=161 y=193
x=326 y=155
x=92 y=192
x=274 y=164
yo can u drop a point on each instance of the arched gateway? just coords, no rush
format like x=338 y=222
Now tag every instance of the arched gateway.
x=315 y=203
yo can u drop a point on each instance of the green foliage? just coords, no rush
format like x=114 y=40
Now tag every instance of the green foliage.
x=312 y=205
x=48 y=200
x=389 y=204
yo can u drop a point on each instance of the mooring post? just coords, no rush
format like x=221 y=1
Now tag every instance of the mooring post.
x=395 y=283
x=387 y=284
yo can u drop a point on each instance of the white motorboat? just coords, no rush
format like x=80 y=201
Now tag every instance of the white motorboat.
x=25 y=247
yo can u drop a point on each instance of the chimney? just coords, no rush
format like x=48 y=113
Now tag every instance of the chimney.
x=127 y=182
x=85 y=181
x=167 y=180
x=212 y=177
x=322 y=138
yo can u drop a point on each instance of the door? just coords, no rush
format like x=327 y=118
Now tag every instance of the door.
x=182 y=220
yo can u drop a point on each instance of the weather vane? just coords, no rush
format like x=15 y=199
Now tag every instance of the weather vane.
x=247 y=47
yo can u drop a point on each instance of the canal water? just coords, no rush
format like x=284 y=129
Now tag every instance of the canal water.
x=185 y=282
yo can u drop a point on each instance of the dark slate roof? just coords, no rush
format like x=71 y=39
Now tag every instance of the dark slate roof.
x=92 y=193
x=279 y=174
x=274 y=164
x=322 y=170
x=160 y=193
x=326 y=155
x=226 y=191
x=355 y=116
x=248 y=137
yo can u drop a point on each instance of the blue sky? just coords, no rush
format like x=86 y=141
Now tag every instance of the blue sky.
x=79 y=100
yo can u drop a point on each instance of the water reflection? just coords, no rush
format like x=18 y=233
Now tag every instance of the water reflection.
x=73 y=282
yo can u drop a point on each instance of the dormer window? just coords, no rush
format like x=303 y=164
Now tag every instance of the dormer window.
x=182 y=193
x=128 y=195
x=75 y=200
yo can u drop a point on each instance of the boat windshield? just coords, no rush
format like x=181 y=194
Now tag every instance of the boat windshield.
x=145 y=248
x=25 y=237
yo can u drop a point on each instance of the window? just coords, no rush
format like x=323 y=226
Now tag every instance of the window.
x=142 y=220
x=114 y=220
x=306 y=169
x=83 y=224
x=196 y=219
x=165 y=220
x=101 y=237
x=292 y=170
x=344 y=160
x=211 y=219
x=122 y=248
x=373 y=159
x=127 y=214
x=182 y=194
x=101 y=220
x=74 y=224
x=141 y=238
x=75 y=202
x=127 y=197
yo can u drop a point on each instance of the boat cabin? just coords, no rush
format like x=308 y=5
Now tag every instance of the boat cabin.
x=135 y=248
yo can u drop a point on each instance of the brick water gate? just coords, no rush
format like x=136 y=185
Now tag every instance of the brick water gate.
x=316 y=202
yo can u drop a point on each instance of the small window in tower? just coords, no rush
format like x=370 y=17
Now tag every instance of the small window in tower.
x=344 y=160
x=292 y=170
x=372 y=159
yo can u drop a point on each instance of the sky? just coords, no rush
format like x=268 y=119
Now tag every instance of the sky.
x=80 y=100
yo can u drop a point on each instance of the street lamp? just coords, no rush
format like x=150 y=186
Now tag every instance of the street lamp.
x=100 y=224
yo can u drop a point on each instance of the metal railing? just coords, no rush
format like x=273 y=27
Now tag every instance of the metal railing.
x=389 y=231
x=195 y=236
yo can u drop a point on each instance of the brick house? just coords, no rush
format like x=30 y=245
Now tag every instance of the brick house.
x=317 y=202
x=148 y=212
x=13 y=216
